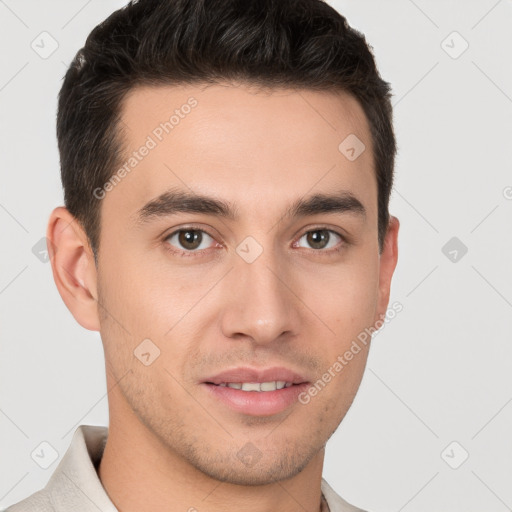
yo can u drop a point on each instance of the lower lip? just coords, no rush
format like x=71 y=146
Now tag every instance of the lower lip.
x=257 y=403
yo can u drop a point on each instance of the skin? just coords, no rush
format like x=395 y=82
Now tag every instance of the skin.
x=172 y=446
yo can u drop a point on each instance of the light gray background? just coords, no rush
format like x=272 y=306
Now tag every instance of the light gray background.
x=439 y=372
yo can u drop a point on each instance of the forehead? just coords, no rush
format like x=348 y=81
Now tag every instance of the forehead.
x=242 y=144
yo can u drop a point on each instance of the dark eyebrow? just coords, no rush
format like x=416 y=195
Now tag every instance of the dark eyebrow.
x=180 y=201
x=340 y=202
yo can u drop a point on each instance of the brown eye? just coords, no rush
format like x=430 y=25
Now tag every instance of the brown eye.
x=189 y=239
x=321 y=238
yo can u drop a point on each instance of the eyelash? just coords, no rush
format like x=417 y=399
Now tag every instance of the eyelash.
x=196 y=253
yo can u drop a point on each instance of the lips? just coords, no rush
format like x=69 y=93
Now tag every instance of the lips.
x=257 y=386
x=246 y=375
x=256 y=392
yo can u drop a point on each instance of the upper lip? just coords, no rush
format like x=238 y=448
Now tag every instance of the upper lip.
x=246 y=374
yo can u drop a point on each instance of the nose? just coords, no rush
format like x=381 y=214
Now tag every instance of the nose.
x=261 y=304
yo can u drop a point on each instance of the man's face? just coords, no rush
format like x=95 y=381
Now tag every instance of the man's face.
x=268 y=289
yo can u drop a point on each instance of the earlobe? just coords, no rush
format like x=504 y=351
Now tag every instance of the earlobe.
x=73 y=267
x=388 y=261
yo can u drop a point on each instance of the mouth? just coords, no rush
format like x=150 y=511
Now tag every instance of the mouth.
x=256 y=386
x=256 y=392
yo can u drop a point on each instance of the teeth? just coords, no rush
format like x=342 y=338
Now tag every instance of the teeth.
x=257 y=386
x=251 y=386
x=268 y=386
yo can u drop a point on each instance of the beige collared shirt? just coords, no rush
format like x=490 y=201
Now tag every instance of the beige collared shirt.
x=75 y=486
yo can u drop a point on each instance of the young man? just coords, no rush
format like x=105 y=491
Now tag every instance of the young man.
x=227 y=167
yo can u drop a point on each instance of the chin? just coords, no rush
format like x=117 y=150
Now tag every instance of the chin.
x=250 y=466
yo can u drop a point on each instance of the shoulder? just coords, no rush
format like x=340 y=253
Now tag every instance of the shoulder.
x=335 y=501
x=37 y=502
x=74 y=484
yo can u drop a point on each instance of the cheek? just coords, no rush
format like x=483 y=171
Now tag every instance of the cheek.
x=133 y=287
x=350 y=311
x=153 y=299
x=346 y=297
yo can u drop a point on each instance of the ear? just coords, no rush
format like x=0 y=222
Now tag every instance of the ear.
x=73 y=267
x=388 y=261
